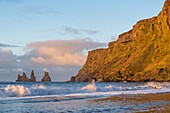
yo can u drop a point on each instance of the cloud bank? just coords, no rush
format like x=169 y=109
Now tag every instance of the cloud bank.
x=59 y=52
x=7 y=59
x=62 y=58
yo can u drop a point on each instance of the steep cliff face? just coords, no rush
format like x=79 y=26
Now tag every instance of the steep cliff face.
x=141 y=54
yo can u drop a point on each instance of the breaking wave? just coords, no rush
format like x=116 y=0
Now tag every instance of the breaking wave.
x=15 y=91
x=92 y=89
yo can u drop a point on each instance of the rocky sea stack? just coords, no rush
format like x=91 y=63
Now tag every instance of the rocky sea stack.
x=24 y=78
x=32 y=77
x=46 y=77
x=141 y=54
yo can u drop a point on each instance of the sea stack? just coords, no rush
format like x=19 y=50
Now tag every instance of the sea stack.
x=22 y=78
x=141 y=54
x=32 y=77
x=18 y=78
x=46 y=77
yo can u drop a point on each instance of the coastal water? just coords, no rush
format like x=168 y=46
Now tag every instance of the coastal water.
x=54 y=97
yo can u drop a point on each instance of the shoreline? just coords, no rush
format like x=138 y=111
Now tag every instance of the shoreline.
x=147 y=103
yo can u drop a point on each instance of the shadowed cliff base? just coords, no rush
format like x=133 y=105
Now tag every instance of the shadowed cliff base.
x=141 y=54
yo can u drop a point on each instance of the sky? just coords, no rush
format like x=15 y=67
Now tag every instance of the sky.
x=55 y=35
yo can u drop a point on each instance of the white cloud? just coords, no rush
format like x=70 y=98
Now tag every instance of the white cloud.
x=7 y=58
x=60 y=52
x=71 y=30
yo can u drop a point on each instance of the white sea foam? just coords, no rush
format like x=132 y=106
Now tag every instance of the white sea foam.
x=92 y=89
x=13 y=91
x=38 y=87
x=158 y=85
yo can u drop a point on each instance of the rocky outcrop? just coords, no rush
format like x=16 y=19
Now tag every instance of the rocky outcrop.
x=18 y=78
x=72 y=79
x=22 y=78
x=46 y=77
x=141 y=54
x=32 y=77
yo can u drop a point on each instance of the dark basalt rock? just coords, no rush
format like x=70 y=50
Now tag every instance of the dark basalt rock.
x=22 y=78
x=18 y=78
x=46 y=77
x=32 y=77
x=72 y=79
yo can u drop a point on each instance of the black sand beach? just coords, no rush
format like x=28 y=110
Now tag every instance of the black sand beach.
x=146 y=103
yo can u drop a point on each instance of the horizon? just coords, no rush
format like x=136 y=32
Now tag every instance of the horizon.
x=56 y=35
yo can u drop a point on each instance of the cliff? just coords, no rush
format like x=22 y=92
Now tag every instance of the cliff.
x=141 y=54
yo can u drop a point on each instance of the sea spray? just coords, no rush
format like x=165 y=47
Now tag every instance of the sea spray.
x=26 y=90
x=158 y=85
x=91 y=87
x=16 y=91
x=56 y=93
x=38 y=86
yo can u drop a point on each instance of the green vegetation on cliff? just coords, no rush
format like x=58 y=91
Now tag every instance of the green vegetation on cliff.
x=141 y=54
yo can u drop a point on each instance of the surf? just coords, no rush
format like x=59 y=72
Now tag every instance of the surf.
x=71 y=91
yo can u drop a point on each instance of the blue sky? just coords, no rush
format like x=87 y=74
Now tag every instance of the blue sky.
x=30 y=21
x=24 y=21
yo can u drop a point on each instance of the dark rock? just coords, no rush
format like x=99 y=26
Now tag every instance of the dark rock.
x=46 y=77
x=32 y=77
x=22 y=78
x=19 y=78
x=72 y=79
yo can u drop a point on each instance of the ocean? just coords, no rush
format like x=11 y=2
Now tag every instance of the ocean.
x=100 y=97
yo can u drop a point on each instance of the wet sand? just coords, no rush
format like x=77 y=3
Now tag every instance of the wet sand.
x=146 y=103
